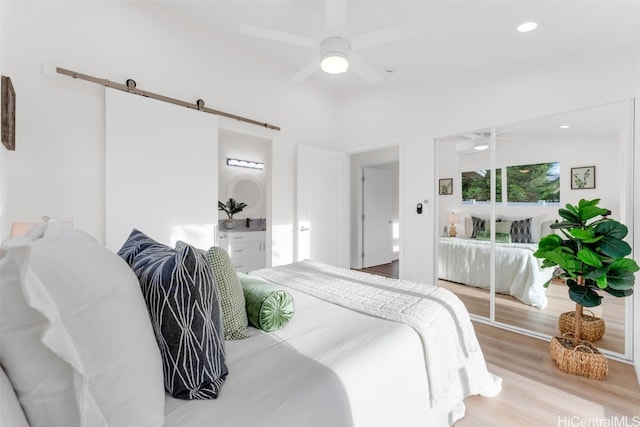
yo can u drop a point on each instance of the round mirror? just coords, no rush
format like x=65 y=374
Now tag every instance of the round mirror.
x=246 y=189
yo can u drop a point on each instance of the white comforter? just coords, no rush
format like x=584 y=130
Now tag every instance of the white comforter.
x=518 y=272
x=332 y=366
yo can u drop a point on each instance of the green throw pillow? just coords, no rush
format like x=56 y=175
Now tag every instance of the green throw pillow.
x=232 y=301
x=268 y=307
x=500 y=237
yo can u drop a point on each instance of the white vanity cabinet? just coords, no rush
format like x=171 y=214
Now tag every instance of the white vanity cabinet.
x=247 y=249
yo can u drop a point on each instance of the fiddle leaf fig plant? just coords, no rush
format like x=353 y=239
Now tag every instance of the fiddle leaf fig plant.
x=232 y=207
x=590 y=254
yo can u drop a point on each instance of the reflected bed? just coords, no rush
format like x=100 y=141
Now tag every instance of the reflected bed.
x=518 y=272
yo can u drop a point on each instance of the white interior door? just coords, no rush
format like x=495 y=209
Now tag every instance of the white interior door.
x=161 y=165
x=377 y=210
x=323 y=206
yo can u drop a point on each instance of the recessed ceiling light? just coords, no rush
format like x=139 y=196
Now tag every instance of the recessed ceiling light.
x=527 y=26
x=564 y=126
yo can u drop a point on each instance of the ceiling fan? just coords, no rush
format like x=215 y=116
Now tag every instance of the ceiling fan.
x=335 y=52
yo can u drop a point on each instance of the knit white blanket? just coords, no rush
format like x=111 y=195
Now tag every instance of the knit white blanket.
x=451 y=349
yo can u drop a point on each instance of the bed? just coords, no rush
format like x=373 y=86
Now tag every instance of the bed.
x=361 y=350
x=518 y=272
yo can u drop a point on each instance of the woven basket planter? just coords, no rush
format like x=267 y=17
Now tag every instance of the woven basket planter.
x=584 y=360
x=591 y=329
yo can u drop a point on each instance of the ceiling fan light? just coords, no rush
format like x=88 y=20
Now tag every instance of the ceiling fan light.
x=334 y=63
x=334 y=52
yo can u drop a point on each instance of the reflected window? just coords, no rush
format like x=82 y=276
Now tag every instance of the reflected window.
x=476 y=186
x=533 y=183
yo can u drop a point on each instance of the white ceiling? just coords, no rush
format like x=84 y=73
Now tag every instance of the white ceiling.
x=453 y=35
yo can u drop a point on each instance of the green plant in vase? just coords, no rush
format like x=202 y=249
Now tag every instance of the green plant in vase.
x=231 y=208
x=591 y=255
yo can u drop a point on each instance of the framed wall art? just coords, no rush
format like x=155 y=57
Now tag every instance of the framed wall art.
x=583 y=178
x=8 y=114
x=445 y=186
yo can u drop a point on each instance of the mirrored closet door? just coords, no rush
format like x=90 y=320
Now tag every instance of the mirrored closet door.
x=507 y=184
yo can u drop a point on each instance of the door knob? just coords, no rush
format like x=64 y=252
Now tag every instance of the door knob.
x=303 y=228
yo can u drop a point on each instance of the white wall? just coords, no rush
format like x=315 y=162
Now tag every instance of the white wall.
x=58 y=167
x=429 y=108
x=4 y=153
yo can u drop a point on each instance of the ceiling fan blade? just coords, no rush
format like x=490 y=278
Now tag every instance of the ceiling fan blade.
x=306 y=71
x=397 y=32
x=335 y=11
x=365 y=72
x=267 y=33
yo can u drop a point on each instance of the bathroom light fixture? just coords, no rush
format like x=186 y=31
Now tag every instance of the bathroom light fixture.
x=565 y=127
x=335 y=55
x=481 y=146
x=527 y=26
x=245 y=164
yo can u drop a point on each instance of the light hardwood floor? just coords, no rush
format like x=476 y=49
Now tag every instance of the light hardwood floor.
x=513 y=312
x=536 y=393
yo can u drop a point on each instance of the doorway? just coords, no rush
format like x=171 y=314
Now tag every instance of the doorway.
x=375 y=216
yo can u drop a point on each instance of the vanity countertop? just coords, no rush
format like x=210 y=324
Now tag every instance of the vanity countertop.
x=237 y=229
x=258 y=224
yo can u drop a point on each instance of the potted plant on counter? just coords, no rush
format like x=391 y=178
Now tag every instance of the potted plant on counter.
x=231 y=208
x=591 y=255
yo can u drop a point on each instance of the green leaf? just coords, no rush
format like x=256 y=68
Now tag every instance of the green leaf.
x=588 y=212
x=619 y=293
x=566 y=261
x=626 y=264
x=583 y=203
x=564 y=224
x=582 y=234
x=589 y=257
x=601 y=282
x=594 y=274
x=614 y=247
x=550 y=242
x=583 y=295
x=612 y=228
x=570 y=215
x=620 y=279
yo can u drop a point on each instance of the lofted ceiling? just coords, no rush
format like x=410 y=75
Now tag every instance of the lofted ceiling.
x=439 y=36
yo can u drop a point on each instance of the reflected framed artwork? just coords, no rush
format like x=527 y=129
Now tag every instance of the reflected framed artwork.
x=583 y=178
x=445 y=186
x=8 y=114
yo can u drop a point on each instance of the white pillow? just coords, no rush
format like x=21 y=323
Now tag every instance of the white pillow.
x=11 y=414
x=468 y=226
x=43 y=382
x=96 y=323
x=545 y=228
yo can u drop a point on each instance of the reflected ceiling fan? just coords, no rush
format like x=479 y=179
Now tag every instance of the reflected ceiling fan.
x=471 y=142
x=335 y=52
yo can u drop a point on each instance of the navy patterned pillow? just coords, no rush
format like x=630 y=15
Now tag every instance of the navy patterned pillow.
x=183 y=303
x=521 y=231
x=478 y=225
